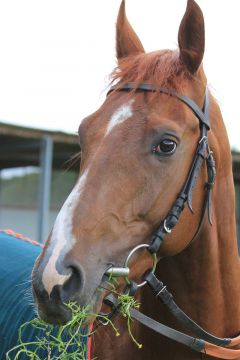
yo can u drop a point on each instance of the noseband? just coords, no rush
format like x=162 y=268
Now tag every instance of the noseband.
x=204 y=342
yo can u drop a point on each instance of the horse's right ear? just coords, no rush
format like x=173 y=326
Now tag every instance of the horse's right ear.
x=191 y=37
x=127 y=41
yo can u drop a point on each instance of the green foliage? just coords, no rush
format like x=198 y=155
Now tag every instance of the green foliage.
x=67 y=342
x=127 y=303
x=20 y=190
x=23 y=190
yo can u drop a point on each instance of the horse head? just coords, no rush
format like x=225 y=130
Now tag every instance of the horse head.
x=136 y=153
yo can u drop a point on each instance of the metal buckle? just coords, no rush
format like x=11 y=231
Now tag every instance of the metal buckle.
x=208 y=150
x=166 y=228
x=103 y=320
x=154 y=258
x=204 y=138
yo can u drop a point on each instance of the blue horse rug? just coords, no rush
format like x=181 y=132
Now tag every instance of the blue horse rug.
x=17 y=257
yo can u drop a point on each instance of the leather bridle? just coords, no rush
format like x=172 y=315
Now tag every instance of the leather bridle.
x=203 y=153
x=204 y=342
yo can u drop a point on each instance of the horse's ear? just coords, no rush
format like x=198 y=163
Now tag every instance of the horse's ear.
x=127 y=41
x=191 y=37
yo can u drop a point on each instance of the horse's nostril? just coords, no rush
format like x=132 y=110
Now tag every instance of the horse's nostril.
x=73 y=285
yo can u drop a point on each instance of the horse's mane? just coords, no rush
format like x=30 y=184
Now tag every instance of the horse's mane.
x=162 y=68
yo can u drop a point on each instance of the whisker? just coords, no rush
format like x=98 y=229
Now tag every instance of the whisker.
x=73 y=160
x=26 y=282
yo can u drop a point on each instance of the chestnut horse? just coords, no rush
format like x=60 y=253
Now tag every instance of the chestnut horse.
x=137 y=151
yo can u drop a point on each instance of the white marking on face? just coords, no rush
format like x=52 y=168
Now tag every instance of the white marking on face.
x=120 y=115
x=62 y=237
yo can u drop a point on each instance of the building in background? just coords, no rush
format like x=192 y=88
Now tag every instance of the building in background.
x=38 y=169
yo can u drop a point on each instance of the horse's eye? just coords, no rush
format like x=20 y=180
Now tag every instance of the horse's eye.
x=165 y=147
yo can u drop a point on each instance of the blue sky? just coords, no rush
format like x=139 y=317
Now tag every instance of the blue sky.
x=56 y=55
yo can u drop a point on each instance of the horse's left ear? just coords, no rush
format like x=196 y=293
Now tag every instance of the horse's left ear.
x=127 y=41
x=191 y=37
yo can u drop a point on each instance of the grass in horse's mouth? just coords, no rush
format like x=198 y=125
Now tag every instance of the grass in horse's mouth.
x=67 y=340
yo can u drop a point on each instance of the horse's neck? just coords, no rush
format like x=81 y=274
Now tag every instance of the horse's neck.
x=205 y=277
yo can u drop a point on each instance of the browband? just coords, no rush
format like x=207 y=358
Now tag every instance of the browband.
x=202 y=115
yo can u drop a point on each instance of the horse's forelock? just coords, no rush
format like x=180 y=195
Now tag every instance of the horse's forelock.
x=162 y=68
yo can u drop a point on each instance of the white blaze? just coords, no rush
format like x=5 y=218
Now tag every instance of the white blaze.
x=62 y=234
x=120 y=115
x=62 y=237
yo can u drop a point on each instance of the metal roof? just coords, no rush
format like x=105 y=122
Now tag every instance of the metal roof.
x=20 y=146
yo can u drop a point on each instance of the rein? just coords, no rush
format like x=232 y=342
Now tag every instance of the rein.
x=204 y=342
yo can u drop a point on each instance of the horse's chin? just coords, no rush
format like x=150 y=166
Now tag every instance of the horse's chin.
x=60 y=316
x=64 y=315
